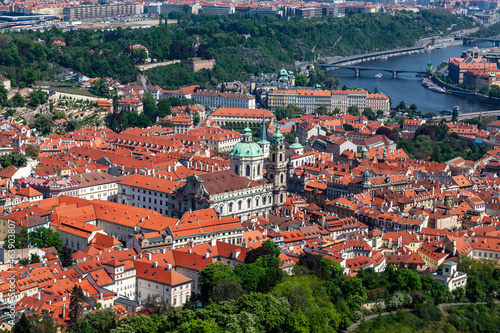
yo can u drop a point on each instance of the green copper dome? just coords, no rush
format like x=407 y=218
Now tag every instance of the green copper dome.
x=277 y=136
x=283 y=72
x=366 y=174
x=296 y=144
x=247 y=148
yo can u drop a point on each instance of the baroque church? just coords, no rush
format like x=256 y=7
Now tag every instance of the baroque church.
x=253 y=186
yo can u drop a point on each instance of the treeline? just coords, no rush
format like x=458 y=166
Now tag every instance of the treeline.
x=434 y=140
x=480 y=318
x=29 y=56
x=485 y=32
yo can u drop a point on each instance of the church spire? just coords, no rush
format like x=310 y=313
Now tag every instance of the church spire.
x=263 y=140
x=263 y=134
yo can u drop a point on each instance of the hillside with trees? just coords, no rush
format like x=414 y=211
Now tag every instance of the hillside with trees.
x=30 y=56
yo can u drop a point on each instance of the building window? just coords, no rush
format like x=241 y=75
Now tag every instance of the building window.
x=248 y=171
x=230 y=207
x=239 y=205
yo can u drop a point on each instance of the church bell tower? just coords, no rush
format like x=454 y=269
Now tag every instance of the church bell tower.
x=276 y=168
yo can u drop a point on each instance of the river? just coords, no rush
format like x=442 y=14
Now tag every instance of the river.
x=407 y=87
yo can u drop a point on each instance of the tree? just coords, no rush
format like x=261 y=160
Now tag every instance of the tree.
x=196 y=118
x=301 y=80
x=45 y=237
x=387 y=131
x=24 y=325
x=275 y=249
x=72 y=125
x=35 y=258
x=253 y=254
x=280 y=113
x=20 y=238
x=75 y=307
x=311 y=261
x=215 y=280
x=454 y=116
x=15 y=158
x=413 y=107
x=307 y=294
x=198 y=326
x=65 y=256
x=18 y=100
x=98 y=321
x=353 y=110
x=137 y=324
x=149 y=106
x=3 y=93
x=100 y=88
x=332 y=82
x=164 y=107
x=250 y=276
x=348 y=127
x=43 y=124
x=32 y=151
x=321 y=110
x=297 y=322
x=401 y=106
x=37 y=97
x=368 y=113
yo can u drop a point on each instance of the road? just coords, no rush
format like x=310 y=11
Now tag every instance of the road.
x=441 y=40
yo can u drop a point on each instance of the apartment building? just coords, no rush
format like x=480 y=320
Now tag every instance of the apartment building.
x=97 y=185
x=74 y=13
x=215 y=99
x=147 y=192
x=222 y=116
x=309 y=100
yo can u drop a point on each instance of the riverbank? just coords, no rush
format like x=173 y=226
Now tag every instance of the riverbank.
x=457 y=91
x=430 y=43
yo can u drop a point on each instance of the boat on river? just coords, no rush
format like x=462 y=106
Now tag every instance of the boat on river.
x=440 y=47
x=378 y=76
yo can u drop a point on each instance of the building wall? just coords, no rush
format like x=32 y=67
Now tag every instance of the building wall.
x=100 y=11
x=106 y=192
x=138 y=197
x=175 y=296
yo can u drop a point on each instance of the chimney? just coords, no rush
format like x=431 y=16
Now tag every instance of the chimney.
x=213 y=242
x=155 y=263
x=79 y=281
x=207 y=255
x=169 y=267
x=38 y=296
x=101 y=296
x=190 y=250
x=475 y=240
x=64 y=311
x=163 y=251
x=49 y=302
x=148 y=255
